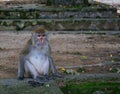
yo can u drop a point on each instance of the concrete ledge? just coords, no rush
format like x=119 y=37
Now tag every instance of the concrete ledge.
x=106 y=76
x=14 y=86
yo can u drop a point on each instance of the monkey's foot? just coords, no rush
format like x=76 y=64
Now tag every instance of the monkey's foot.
x=58 y=75
x=35 y=83
x=42 y=79
x=48 y=77
x=20 y=78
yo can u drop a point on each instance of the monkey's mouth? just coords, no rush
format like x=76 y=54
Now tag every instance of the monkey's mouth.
x=41 y=40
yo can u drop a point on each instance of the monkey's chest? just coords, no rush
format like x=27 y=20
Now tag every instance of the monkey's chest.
x=41 y=63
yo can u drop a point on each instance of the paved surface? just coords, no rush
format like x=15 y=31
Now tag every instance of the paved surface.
x=115 y=3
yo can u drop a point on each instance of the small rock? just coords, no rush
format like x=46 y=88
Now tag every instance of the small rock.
x=99 y=92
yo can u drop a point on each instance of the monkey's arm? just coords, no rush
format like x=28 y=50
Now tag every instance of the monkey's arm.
x=52 y=65
x=53 y=68
x=21 y=69
x=31 y=47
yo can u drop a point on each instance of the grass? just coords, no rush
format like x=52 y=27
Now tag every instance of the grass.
x=92 y=87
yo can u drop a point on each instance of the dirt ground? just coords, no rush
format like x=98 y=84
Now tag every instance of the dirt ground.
x=68 y=50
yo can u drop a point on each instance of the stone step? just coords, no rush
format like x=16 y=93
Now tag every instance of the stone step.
x=62 y=24
x=59 y=13
x=14 y=86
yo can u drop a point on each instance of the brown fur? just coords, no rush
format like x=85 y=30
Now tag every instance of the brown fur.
x=41 y=29
x=25 y=50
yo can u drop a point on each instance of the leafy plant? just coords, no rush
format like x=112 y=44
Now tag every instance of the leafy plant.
x=49 y=2
x=81 y=70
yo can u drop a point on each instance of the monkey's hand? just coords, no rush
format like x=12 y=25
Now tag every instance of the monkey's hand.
x=42 y=79
x=58 y=75
x=48 y=77
x=39 y=81
x=35 y=83
x=20 y=78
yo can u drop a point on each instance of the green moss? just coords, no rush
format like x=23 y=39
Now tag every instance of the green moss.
x=91 y=87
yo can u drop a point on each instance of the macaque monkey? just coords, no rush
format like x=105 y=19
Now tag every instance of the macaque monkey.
x=38 y=62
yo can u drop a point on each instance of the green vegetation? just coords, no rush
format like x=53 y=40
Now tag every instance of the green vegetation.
x=49 y=2
x=81 y=69
x=116 y=58
x=92 y=88
x=113 y=70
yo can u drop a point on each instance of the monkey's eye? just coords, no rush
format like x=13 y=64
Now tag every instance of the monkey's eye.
x=38 y=35
x=43 y=35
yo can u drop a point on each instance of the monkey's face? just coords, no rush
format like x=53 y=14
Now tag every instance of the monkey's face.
x=41 y=37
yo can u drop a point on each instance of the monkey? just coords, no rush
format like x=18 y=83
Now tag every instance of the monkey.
x=38 y=62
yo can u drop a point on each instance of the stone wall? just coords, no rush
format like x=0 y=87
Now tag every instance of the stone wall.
x=68 y=2
x=18 y=2
x=62 y=24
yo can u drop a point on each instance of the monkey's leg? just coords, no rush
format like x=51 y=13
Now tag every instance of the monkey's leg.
x=37 y=79
x=29 y=68
x=21 y=69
